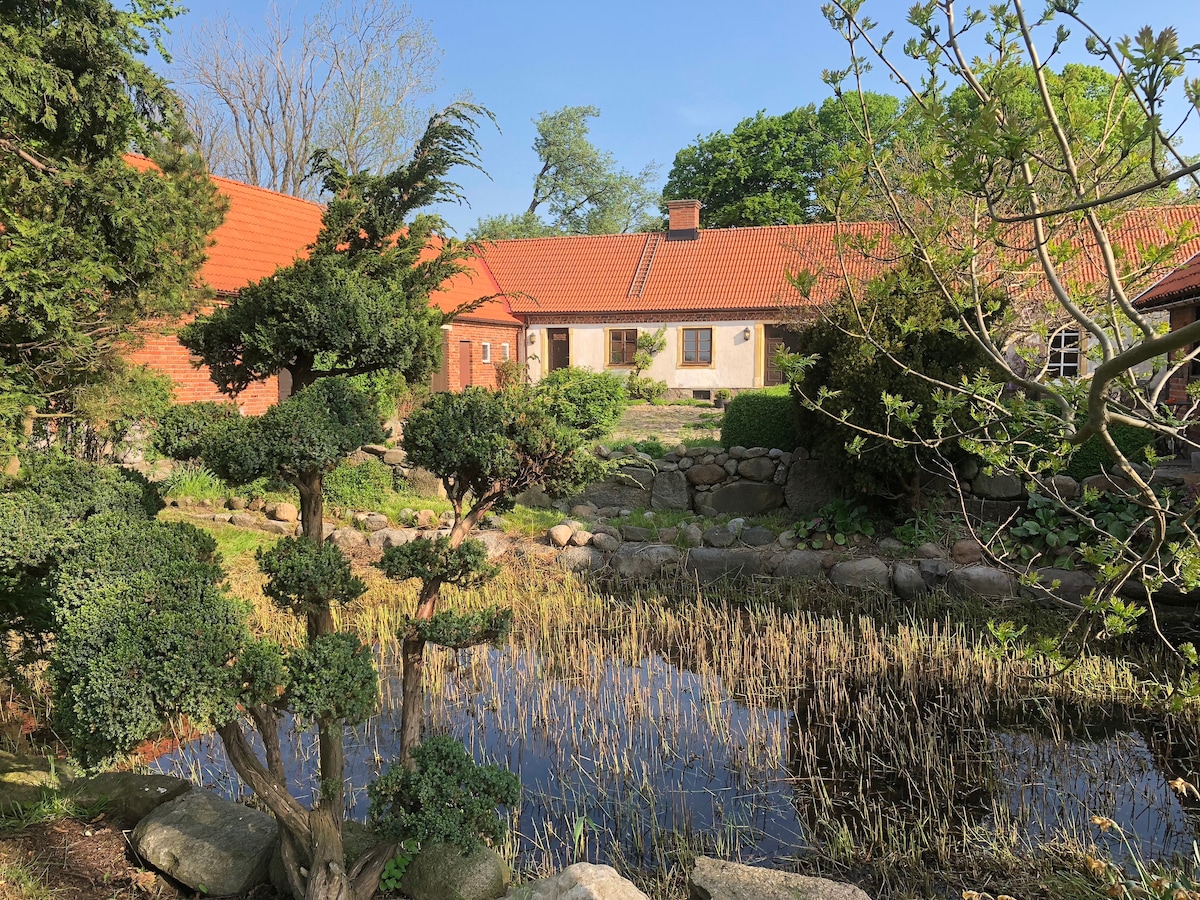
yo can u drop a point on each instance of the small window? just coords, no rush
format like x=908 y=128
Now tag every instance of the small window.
x=504 y=352
x=697 y=346
x=701 y=395
x=1064 y=359
x=622 y=345
x=485 y=352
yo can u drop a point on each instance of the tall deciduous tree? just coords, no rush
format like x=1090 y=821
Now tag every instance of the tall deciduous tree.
x=90 y=246
x=353 y=79
x=1023 y=195
x=579 y=187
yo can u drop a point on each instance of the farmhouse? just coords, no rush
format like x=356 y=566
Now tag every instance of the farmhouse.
x=1178 y=296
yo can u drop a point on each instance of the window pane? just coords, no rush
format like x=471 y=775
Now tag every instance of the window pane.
x=697 y=345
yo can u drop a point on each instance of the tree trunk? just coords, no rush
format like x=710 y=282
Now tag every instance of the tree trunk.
x=413 y=709
x=328 y=878
x=312 y=506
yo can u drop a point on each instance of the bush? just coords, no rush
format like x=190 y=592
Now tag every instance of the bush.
x=181 y=427
x=760 y=419
x=192 y=479
x=1092 y=458
x=640 y=388
x=589 y=402
x=364 y=485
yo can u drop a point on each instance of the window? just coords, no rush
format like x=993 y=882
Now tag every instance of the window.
x=697 y=347
x=622 y=345
x=485 y=352
x=1064 y=359
x=504 y=352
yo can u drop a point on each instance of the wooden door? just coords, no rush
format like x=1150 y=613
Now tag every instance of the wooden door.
x=776 y=338
x=464 y=364
x=560 y=348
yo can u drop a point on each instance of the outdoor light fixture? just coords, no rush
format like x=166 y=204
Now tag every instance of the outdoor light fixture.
x=533 y=337
x=746 y=333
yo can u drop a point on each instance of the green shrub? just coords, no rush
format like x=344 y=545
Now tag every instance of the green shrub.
x=181 y=427
x=760 y=419
x=193 y=479
x=643 y=388
x=589 y=402
x=364 y=485
x=1092 y=458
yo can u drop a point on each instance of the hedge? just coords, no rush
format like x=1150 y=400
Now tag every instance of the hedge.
x=1092 y=459
x=761 y=419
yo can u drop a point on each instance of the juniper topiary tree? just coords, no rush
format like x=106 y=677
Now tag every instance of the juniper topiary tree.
x=487 y=447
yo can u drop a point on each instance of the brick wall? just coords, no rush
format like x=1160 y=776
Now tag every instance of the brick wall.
x=162 y=351
x=1180 y=316
x=476 y=333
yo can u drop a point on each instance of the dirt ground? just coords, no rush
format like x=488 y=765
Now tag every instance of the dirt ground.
x=670 y=424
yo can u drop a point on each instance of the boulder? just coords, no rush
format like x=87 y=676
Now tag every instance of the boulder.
x=757 y=536
x=808 y=487
x=890 y=546
x=644 y=561
x=1066 y=584
x=867 y=574
x=535 y=498
x=426 y=518
x=929 y=550
x=706 y=474
x=907 y=581
x=444 y=872
x=605 y=542
x=376 y=522
x=737 y=452
x=1000 y=486
x=243 y=520
x=236 y=503
x=581 y=538
x=670 y=491
x=580 y=559
x=967 y=552
x=560 y=535
x=715 y=879
x=389 y=537
x=582 y=881
x=24 y=780
x=635 y=475
x=758 y=468
x=692 y=535
x=283 y=528
x=719 y=537
x=375 y=449
x=709 y=564
x=621 y=494
x=746 y=498
x=730 y=466
x=801 y=565
x=636 y=533
x=757 y=451
x=982 y=582
x=209 y=844
x=497 y=544
x=283 y=512
x=1065 y=487
x=583 y=511
x=128 y=796
x=934 y=571
x=346 y=538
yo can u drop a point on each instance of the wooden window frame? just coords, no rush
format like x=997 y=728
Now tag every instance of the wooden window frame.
x=485 y=352
x=683 y=363
x=505 y=352
x=1058 y=347
x=608 y=347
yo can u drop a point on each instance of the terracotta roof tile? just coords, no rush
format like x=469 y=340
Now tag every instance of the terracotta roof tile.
x=1180 y=285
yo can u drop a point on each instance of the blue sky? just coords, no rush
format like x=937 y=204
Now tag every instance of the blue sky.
x=661 y=72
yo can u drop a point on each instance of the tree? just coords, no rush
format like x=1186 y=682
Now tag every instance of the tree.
x=768 y=169
x=352 y=79
x=1020 y=198
x=91 y=246
x=487 y=447
x=580 y=186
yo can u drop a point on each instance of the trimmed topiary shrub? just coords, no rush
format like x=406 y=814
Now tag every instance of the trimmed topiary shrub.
x=761 y=419
x=589 y=402
x=181 y=427
x=1092 y=459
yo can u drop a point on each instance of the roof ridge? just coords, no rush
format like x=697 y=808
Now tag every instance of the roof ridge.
x=273 y=193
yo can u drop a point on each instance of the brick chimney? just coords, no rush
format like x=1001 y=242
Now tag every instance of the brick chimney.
x=684 y=218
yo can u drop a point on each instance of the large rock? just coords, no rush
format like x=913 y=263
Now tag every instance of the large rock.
x=621 y=494
x=801 y=565
x=808 y=487
x=376 y=522
x=760 y=468
x=757 y=536
x=581 y=559
x=604 y=541
x=982 y=582
x=24 y=780
x=243 y=520
x=867 y=574
x=390 y=537
x=1066 y=584
x=907 y=581
x=347 y=537
x=209 y=844
x=635 y=475
x=709 y=564
x=746 y=498
x=1000 y=486
x=714 y=879
x=560 y=535
x=424 y=483
x=719 y=537
x=582 y=881
x=283 y=528
x=670 y=491
x=127 y=796
x=644 y=561
x=706 y=474
x=967 y=552
x=283 y=512
x=497 y=543
x=636 y=533
x=444 y=872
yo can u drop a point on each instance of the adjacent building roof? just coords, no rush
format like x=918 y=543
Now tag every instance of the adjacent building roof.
x=1181 y=285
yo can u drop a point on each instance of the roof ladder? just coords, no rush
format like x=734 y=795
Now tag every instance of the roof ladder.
x=642 y=273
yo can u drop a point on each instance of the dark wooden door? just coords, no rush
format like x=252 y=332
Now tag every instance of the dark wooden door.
x=777 y=338
x=464 y=364
x=560 y=348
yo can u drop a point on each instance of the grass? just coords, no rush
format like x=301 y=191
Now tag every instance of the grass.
x=19 y=881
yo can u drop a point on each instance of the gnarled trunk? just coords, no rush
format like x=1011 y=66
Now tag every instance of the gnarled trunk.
x=312 y=505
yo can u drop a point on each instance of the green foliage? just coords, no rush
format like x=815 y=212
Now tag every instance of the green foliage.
x=590 y=402
x=191 y=479
x=332 y=677
x=393 y=871
x=860 y=380
x=308 y=433
x=511 y=373
x=644 y=388
x=359 y=302
x=838 y=522
x=92 y=247
x=362 y=485
x=181 y=428
x=649 y=345
x=1091 y=458
x=448 y=798
x=760 y=419
x=435 y=560
x=303 y=575
x=496 y=444
x=458 y=631
x=506 y=227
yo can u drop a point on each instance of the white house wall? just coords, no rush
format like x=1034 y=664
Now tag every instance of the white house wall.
x=736 y=361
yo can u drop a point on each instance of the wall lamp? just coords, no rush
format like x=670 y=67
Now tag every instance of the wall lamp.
x=533 y=337
x=746 y=332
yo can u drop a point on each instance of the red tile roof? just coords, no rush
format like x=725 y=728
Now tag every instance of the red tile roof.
x=1180 y=285
x=468 y=287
